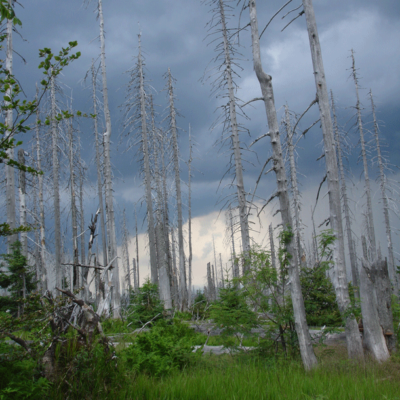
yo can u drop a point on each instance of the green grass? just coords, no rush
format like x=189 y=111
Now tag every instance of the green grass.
x=222 y=377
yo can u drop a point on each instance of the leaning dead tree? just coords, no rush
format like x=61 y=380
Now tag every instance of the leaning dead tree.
x=224 y=87
x=136 y=104
x=382 y=181
x=173 y=129
x=265 y=81
x=369 y=213
x=354 y=346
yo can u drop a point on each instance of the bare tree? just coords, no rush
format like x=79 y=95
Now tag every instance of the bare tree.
x=136 y=115
x=382 y=180
x=369 y=213
x=346 y=208
x=125 y=243
x=175 y=151
x=225 y=87
x=265 y=80
x=354 y=346
x=22 y=202
x=190 y=217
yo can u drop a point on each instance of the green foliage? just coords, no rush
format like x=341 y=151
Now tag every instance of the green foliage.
x=19 y=379
x=232 y=313
x=396 y=315
x=12 y=277
x=200 y=306
x=319 y=297
x=145 y=304
x=166 y=347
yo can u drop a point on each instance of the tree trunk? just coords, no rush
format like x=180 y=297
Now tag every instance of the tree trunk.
x=374 y=339
x=272 y=248
x=354 y=346
x=306 y=349
x=126 y=251
x=182 y=268
x=116 y=300
x=137 y=251
x=42 y=243
x=10 y=170
x=190 y=218
x=382 y=178
x=352 y=250
x=22 y=203
x=370 y=218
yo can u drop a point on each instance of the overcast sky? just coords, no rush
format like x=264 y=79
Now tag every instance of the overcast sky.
x=174 y=36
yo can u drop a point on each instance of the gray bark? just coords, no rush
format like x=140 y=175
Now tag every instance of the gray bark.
x=10 y=171
x=354 y=346
x=272 y=247
x=137 y=250
x=116 y=300
x=374 y=339
x=369 y=214
x=210 y=284
x=135 y=282
x=56 y=186
x=176 y=293
x=382 y=178
x=346 y=208
x=22 y=203
x=42 y=247
x=265 y=80
x=174 y=133
x=235 y=263
x=190 y=219
x=126 y=253
x=98 y=167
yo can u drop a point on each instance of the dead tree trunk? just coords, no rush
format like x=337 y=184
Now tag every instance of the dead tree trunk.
x=382 y=178
x=272 y=247
x=370 y=217
x=137 y=250
x=354 y=346
x=22 y=203
x=10 y=170
x=265 y=80
x=126 y=253
x=350 y=241
x=374 y=339
x=116 y=300
x=190 y=218
x=174 y=134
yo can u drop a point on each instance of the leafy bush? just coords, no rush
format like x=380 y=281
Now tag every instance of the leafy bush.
x=145 y=305
x=200 y=306
x=167 y=346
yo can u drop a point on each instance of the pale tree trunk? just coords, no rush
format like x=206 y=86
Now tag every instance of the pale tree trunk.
x=346 y=208
x=222 y=272
x=354 y=346
x=190 y=217
x=374 y=339
x=306 y=349
x=74 y=216
x=56 y=186
x=391 y=266
x=116 y=297
x=147 y=172
x=243 y=212
x=135 y=282
x=137 y=250
x=293 y=180
x=98 y=166
x=370 y=218
x=82 y=169
x=272 y=247
x=42 y=247
x=126 y=251
x=235 y=264
x=162 y=255
x=173 y=128
x=176 y=294
x=22 y=203
x=10 y=171
x=210 y=284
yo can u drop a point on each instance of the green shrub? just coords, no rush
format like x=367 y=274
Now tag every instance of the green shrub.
x=167 y=346
x=145 y=305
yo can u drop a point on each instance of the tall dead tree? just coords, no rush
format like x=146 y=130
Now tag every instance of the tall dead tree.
x=265 y=81
x=346 y=207
x=22 y=202
x=354 y=346
x=369 y=213
x=162 y=255
x=74 y=211
x=272 y=247
x=98 y=167
x=10 y=170
x=225 y=87
x=190 y=217
x=137 y=251
x=116 y=300
x=42 y=243
x=136 y=119
x=382 y=181
x=125 y=244
x=175 y=157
